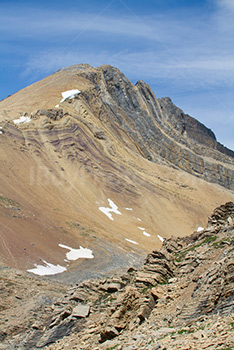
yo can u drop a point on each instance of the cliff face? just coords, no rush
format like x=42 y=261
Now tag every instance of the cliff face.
x=108 y=169
x=155 y=128
x=159 y=130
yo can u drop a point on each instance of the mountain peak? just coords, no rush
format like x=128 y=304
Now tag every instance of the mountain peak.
x=94 y=163
x=78 y=67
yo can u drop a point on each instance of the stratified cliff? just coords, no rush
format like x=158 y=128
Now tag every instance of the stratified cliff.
x=157 y=129
x=108 y=168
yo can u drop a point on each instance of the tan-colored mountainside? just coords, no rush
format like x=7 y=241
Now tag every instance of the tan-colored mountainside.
x=112 y=145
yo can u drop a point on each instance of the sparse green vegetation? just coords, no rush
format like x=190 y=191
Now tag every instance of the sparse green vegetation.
x=9 y=202
x=145 y=289
x=164 y=282
x=208 y=240
x=219 y=244
x=181 y=331
x=83 y=231
x=203 y=327
x=181 y=255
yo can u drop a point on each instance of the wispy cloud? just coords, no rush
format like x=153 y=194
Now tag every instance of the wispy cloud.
x=180 y=68
x=227 y=5
x=224 y=16
x=190 y=51
x=28 y=23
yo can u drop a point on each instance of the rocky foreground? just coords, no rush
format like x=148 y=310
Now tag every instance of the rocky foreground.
x=181 y=298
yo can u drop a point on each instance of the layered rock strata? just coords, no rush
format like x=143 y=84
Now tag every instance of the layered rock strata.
x=184 y=290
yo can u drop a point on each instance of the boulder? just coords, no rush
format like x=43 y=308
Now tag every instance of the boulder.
x=108 y=333
x=81 y=311
x=144 y=312
x=113 y=287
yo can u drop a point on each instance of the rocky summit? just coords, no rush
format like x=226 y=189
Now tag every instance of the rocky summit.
x=182 y=297
x=95 y=171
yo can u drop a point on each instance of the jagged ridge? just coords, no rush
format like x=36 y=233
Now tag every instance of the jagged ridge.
x=156 y=129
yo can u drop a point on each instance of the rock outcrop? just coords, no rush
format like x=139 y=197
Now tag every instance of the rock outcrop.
x=181 y=298
x=157 y=129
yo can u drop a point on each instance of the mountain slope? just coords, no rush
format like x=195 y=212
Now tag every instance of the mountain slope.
x=113 y=145
x=180 y=298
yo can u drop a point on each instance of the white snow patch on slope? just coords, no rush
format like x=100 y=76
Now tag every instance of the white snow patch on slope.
x=57 y=106
x=146 y=234
x=129 y=240
x=128 y=208
x=47 y=269
x=75 y=254
x=107 y=211
x=200 y=229
x=138 y=219
x=69 y=94
x=141 y=228
x=161 y=238
x=22 y=120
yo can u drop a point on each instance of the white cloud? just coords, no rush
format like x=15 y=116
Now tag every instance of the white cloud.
x=47 y=24
x=205 y=69
x=224 y=16
x=189 y=50
x=227 y=5
x=184 y=51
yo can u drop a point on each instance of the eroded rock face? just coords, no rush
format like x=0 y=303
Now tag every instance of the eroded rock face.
x=183 y=288
x=158 y=130
x=154 y=128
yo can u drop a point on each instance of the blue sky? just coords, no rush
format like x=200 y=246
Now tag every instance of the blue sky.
x=184 y=49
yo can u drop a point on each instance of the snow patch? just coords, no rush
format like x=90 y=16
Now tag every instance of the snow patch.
x=128 y=209
x=22 y=120
x=47 y=269
x=57 y=106
x=69 y=94
x=200 y=229
x=161 y=238
x=75 y=254
x=138 y=219
x=1 y=132
x=146 y=234
x=129 y=240
x=107 y=211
